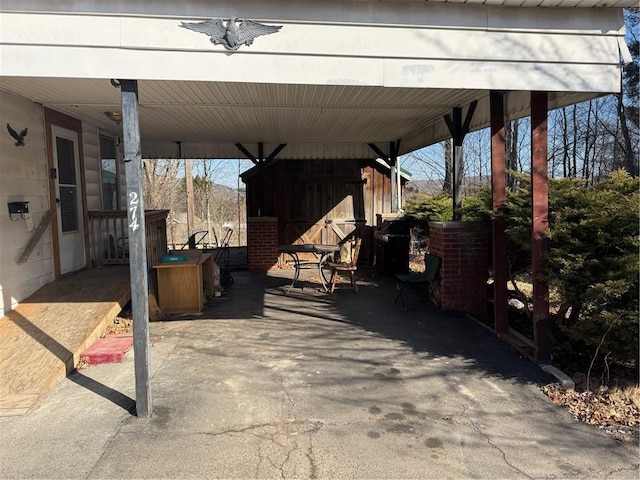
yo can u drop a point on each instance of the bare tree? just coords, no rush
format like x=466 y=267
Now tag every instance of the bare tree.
x=511 y=133
x=163 y=190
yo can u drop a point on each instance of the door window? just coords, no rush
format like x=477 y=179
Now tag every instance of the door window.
x=109 y=173
x=68 y=185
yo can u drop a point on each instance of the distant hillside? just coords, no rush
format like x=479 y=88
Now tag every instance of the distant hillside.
x=433 y=187
x=430 y=187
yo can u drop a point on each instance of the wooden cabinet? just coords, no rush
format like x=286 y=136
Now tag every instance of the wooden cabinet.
x=184 y=286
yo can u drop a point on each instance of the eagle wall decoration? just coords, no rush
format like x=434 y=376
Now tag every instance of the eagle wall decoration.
x=234 y=34
x=18 y=137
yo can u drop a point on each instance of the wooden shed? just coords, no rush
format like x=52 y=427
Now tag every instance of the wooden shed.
x=321 y=201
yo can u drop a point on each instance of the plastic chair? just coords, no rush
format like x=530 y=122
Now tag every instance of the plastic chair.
x=429 y=279
x=350 y=250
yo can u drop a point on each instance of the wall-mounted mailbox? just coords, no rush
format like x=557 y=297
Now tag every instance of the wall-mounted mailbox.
x=20 y=209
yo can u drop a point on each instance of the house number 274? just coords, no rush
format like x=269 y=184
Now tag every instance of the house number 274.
x=133 y=208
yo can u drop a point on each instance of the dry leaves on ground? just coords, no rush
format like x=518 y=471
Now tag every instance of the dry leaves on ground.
x=617 y=411
x=120 y=324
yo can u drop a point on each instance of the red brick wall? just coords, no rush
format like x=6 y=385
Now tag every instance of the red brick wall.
x=262 y=243
x=463 y=249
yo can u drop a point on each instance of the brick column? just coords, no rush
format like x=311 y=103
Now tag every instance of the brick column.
x=463 y=250
x=262 y=243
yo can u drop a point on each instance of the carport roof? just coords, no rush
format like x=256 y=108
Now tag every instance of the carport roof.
x=315 y=121
x=314 y=88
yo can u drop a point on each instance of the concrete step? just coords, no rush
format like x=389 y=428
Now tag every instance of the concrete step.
x=108 y=349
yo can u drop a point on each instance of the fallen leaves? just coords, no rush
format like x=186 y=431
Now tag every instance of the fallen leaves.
x=119 y=325
x=616 y=411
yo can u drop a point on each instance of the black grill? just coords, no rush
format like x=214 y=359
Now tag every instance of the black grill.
x=392 y=239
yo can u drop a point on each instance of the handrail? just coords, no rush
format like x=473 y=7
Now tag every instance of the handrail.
x=109 y=240
x=35 y=238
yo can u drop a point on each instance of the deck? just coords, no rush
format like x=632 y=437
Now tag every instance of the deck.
x=41 y=340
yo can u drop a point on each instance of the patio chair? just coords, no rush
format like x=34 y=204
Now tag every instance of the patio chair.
x=427 y=281
x=348 y=263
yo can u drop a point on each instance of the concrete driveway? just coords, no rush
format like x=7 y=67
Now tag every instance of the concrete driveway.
x=311 y=385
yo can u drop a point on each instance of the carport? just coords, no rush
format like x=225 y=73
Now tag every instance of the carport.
x=337 y=80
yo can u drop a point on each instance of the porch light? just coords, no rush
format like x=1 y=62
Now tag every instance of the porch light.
x=115 y=117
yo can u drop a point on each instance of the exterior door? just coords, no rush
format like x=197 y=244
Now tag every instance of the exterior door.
x=68 y=189
x=324 y=211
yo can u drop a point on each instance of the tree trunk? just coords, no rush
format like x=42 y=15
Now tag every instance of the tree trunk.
x=630 y=164
x=191 y=221
x=447 y=187
x=565 y=143
x=588 y=141
x=574 y=145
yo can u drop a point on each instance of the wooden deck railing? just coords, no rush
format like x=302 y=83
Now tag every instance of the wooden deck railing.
x=109 y=241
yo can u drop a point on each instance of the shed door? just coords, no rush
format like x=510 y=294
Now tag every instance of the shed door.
x=345 y=212
x=66 y=162
x=324 y=212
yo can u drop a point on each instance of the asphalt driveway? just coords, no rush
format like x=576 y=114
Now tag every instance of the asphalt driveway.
x=311 y=385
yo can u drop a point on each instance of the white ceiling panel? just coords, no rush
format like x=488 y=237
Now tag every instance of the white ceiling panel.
x=210 y=118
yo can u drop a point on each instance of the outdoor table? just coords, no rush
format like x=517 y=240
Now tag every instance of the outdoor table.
x=321 y=253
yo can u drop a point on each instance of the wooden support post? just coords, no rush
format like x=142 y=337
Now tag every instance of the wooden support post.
x=393 y=162
x=261 y=210
x=457 y=164
x=458 y=131
x=498 y=188
x=137 y=244
x=398 y=177
x=539 y=223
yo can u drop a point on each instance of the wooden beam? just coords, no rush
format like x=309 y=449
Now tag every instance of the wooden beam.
x=247 y=153
x=468 y=118
x=260 y=152
x=455 y=129
x=539 y=225
x=499 y=194
x=275 y=152
x=458 y=131
x=378 y=152
x=137 y=244
x=397 y=178
x=261 y=210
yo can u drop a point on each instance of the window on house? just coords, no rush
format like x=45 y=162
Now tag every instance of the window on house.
x=109 y=173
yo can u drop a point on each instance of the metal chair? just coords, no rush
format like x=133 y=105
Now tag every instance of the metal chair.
x=429 y=280
x=351 y=250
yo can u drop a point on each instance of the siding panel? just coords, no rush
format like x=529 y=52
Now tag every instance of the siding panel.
x=24 y=177
x=92 y=167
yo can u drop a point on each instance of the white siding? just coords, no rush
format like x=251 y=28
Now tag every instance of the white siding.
x=443 y=46
x=23 y=177
x=92 y=167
